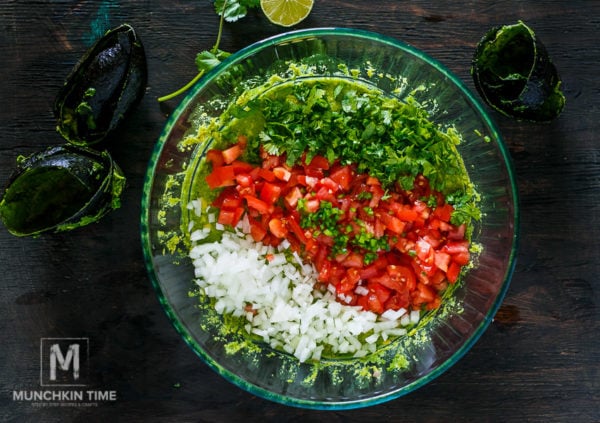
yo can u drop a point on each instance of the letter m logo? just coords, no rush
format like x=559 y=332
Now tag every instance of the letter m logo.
x=64 y=361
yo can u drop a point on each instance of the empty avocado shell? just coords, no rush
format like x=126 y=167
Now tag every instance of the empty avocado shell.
x=514 y=75
x=59 y=189
x=72 y=185
x=108 y=81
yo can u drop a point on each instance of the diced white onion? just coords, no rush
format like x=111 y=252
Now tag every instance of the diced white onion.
x=287 y=312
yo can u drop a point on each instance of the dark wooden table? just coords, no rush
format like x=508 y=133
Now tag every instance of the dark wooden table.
x=538 y=361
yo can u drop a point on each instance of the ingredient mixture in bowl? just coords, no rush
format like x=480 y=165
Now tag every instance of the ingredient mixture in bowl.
x=326 y=216
x=330 y=219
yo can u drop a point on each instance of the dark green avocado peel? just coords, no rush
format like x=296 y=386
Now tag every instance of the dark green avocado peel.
x=514 y=74
x=61 y=188
x=69 y=186
x=103 y=87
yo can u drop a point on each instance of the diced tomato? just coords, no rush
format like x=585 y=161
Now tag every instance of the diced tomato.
x=215 y=157
x=325 y=194
x=231 y=153
x=318 y=162
x=421 y=186
x=435 y=303
x=353 y=260
x=372 y=270
x=376 y=194
x=425 y=251
x=383 y=293
x=397 y=278
x=271 y=162
x=392 y=223
x=438 y=280
x=434 y=238
x=453 y=272
x=324 y=271
x=406 y=213
x=241 y=167
x=270 y=192
x=385 y=280
x=461 y=259
x=293 y=181
x=373 y=181
x=348 y=282
x=231 y=202
x=257 y=231
x=242 y=141
x=342 y=176
x=246 y=190
x=277 y=228
x=444 y=212
x=226 y=192
x=221 y=176
x=424 y=294
x=321 y=256
x=308 y=181
x=295 y=227
x=312 y=206
x=437 y=224
x=259 y=205
x=456 y=247
x=397 y=301
x=266 y=174
x=374 y=304
x=325 y=240
x=378 y=229
x=282 y=173
x=329 y=184
x=292 y=197
x=442 y=260
x=230 y=217
x=314 y=172
x=457 y=233
x=244 y=180
x=402 y=274
x=344 y=204
x=404 y=245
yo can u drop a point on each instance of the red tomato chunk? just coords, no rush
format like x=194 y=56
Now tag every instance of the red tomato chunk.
x=379 y=249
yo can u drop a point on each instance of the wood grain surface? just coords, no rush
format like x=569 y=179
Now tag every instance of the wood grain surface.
x=538 y=361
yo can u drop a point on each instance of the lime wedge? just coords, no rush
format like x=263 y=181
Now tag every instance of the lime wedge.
x=286 y=12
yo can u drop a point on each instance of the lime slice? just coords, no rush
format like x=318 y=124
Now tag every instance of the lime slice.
x=286 y=12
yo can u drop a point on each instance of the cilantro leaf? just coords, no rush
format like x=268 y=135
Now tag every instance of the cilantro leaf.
x=233 y=10
x=208 y=59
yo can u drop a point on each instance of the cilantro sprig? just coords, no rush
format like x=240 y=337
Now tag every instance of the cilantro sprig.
x=229 y=11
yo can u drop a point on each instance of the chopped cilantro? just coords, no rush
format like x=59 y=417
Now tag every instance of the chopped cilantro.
x=465 y=208
x=391 y=140
x=365 y=195
x=326 y=221
x=369 y=242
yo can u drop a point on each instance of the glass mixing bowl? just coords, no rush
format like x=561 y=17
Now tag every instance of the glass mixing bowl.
x=410 y=361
